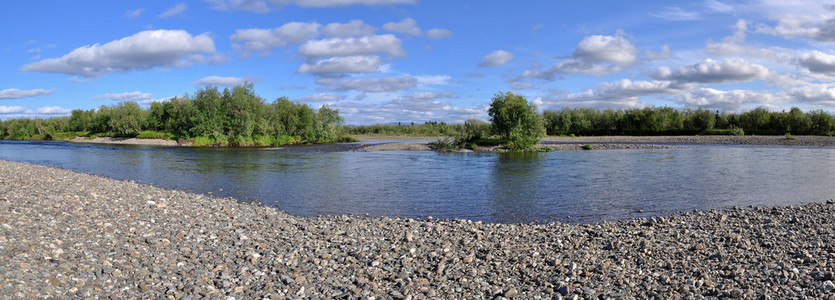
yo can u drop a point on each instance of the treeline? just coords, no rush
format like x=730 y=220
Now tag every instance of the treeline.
x=410 y=129
x=235 y=116
x=670 y=121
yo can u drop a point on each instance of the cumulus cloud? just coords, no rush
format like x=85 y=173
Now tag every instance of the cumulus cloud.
x=370 y=85
x=439 y=33
x=224 y=81
x=618 y=94
x=713 y=71
x=345 y=64
x=127 y=96
x=11 y=109
x=141 y=51
x=597 y=55
x=496 y=58
x=522 y=86
x=174 y=10
x=352 y=46
x=50 y=110
x=263 y=6
x=734 y=100
x=416 y=107
x=17 y=93
x=818 y=62
x=321 y=97
x=410 y=27
x=406 y=26
x=258 y=39
x=816 y=94
x=352 y=28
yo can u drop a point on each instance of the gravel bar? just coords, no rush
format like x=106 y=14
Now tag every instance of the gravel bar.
x=65 y=234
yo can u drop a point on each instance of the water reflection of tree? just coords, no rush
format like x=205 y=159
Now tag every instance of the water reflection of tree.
x=515 y=182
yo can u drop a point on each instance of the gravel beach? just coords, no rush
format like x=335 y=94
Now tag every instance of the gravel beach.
x=70 y=235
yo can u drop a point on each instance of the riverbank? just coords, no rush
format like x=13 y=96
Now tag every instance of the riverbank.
x=774 y=140
x=124 y=141
x=67 y=234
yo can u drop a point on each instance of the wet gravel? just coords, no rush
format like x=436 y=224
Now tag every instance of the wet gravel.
x=70 y=235
x=779 y=140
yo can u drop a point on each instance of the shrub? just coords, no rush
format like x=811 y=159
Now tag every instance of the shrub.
x=587 y=147
x=737 y=131
x=516 y=120
x=149 y=134
x=789 y=136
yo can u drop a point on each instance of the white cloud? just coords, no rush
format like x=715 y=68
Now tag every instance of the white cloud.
x=522 y=86
x=258 y=39
x=818 y=62
x=224 y=81
x=141 y=51
x=618 y=94
x=127 y=96
x=345 y=64
x=50 y=110
x=816 y=94
x=370 y=85
x=614 y=50
x=674 y=13
x=597 y=55
x=405 y=26
x=664 y=53
x=496 y=58
x=713 y=71
x=386 y=43
x=734 y=100
x=719 y=6
x=174 y=10
x=321 y=97
x=11 y=109
x=263 y=6
x=438 y=33
x=417 y=108
x=132 y=14
x=17 y=93
x=352 y=28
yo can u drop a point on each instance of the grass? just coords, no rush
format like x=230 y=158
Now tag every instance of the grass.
x=150 y=134
x=587 y=147
x=789 y=136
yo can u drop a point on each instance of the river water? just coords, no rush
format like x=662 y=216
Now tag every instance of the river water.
x=568 y=186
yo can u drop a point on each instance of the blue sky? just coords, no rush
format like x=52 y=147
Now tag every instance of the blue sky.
x=383 y=61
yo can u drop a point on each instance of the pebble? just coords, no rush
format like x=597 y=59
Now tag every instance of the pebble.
x=70 y=235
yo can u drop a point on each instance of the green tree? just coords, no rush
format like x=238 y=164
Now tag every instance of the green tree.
x=128 y=118
x=515 y=119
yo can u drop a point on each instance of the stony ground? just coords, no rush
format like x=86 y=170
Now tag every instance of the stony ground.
x=802 y=140
x=70 y=235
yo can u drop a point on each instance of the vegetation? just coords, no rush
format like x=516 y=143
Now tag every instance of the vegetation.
x=235 y=116
x=516 y=120
x=669 y=121
x=587 y=147
x=412 y=129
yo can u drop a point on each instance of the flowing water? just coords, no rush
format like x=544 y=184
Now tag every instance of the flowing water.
x=575 y=186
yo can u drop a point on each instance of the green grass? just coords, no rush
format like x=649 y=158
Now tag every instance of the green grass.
x=587 y=147
x=150 y=134
x=789 y=136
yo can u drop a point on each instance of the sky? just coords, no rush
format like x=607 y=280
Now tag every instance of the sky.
x=389 y=61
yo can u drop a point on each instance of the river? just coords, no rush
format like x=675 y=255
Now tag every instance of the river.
x=567 y=186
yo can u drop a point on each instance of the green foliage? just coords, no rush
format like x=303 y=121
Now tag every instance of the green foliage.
x=669 y=121
x=587 y=147
x=514 y=118
x=444 y=144
x=789 y=136
x=235 y=116
x=425 y=129
x=150 y=134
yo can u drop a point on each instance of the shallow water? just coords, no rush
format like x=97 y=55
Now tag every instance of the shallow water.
x=577 y=186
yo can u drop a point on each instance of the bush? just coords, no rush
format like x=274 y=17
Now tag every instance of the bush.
x=789 y=136
x=515 y=119
x=737 y=131
x=587 y=147
x=149 y=134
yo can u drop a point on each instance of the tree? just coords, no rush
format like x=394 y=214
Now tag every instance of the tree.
x=516 y=120
x=128 y=118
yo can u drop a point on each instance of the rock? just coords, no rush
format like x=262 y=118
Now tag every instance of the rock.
x=510 y=293
x=827 y=286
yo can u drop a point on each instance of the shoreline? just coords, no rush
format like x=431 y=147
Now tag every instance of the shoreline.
x=556 y=143
x=69 y=234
